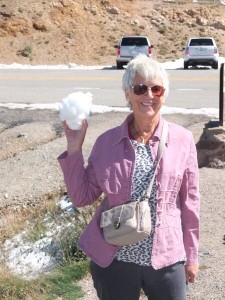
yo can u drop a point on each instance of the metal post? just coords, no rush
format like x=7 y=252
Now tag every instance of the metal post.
x=221 y=97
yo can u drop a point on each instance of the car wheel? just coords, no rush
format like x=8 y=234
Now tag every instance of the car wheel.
x=119 y=65
x=215 y=65
x=185 y=65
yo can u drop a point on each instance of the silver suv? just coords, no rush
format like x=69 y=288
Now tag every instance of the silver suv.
x=130 y=46
x=201 y=51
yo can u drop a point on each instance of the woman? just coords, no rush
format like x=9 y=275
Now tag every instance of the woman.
x=121 y=167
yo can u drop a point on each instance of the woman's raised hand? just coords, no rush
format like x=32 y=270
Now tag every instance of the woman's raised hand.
x=75 y=138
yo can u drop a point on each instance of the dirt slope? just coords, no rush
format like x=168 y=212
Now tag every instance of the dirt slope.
x=86 y=31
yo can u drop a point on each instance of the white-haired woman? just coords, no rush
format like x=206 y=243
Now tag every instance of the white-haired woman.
x=121 y=165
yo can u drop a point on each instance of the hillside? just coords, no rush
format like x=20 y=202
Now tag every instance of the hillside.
x=86 y=31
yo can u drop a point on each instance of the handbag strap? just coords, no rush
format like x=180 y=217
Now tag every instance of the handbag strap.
x=158 y=157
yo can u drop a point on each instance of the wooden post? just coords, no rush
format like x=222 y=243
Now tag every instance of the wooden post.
x=222 y=96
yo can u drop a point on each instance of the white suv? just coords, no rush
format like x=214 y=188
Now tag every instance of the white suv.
x=201 y=51
x=130 y=46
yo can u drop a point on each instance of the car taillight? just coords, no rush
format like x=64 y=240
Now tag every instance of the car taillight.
x=187 y=51
x=149 y=50
x=118 y=50
x=215 y=50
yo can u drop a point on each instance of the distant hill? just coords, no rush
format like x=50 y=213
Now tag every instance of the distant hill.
x=86 y=32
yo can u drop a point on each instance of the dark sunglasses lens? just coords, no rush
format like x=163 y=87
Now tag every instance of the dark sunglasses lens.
x=140 y=89
x=157 y=90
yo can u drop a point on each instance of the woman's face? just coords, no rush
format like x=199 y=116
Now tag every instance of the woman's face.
x=149 y=103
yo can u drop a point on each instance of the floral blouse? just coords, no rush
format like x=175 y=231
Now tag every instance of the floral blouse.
x=140 y=252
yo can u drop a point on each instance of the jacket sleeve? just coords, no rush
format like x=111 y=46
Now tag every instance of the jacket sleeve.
x=190 y=206
x=81 y=183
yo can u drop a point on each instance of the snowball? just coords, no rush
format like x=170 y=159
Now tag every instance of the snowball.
x=75 y=108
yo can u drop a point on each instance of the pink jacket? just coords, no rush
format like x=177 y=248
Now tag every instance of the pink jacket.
x=110 y=169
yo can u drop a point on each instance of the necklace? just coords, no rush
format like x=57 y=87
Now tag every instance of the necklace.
x=142 y=139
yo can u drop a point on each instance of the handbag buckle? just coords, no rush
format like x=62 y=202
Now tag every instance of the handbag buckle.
x=116 y=224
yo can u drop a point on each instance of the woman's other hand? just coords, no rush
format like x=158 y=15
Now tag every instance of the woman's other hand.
x=191 y=273
x=75 y=138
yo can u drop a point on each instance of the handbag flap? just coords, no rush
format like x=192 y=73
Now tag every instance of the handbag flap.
x=120 y=213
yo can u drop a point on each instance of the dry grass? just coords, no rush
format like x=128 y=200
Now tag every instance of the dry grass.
x=14 y=221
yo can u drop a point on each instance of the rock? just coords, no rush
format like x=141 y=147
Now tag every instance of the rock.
x=201 y=21
x=113 y=10
x=219 y=25
x=211 y=147
x=42 y=25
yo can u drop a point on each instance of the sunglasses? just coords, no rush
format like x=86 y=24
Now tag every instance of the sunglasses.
x=141 y=89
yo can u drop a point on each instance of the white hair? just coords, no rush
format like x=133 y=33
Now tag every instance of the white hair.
x=146 y=67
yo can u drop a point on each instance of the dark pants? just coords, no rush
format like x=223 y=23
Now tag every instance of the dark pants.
x=124 y=281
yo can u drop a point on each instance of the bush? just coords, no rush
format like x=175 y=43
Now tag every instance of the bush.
x=27 y=52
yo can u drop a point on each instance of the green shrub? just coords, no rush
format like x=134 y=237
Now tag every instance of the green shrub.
x=27 y=52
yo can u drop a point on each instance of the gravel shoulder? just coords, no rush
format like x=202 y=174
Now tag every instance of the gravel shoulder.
x=30 y=142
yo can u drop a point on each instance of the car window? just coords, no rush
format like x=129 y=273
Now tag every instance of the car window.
x=134 y=41
x=201 y=42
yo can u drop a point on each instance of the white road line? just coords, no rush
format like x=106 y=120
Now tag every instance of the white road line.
x=85 y=88
x=190 y=89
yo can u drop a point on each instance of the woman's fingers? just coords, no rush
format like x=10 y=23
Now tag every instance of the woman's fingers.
x=75 y=138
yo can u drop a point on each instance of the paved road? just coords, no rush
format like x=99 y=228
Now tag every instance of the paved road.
x=193 y=88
